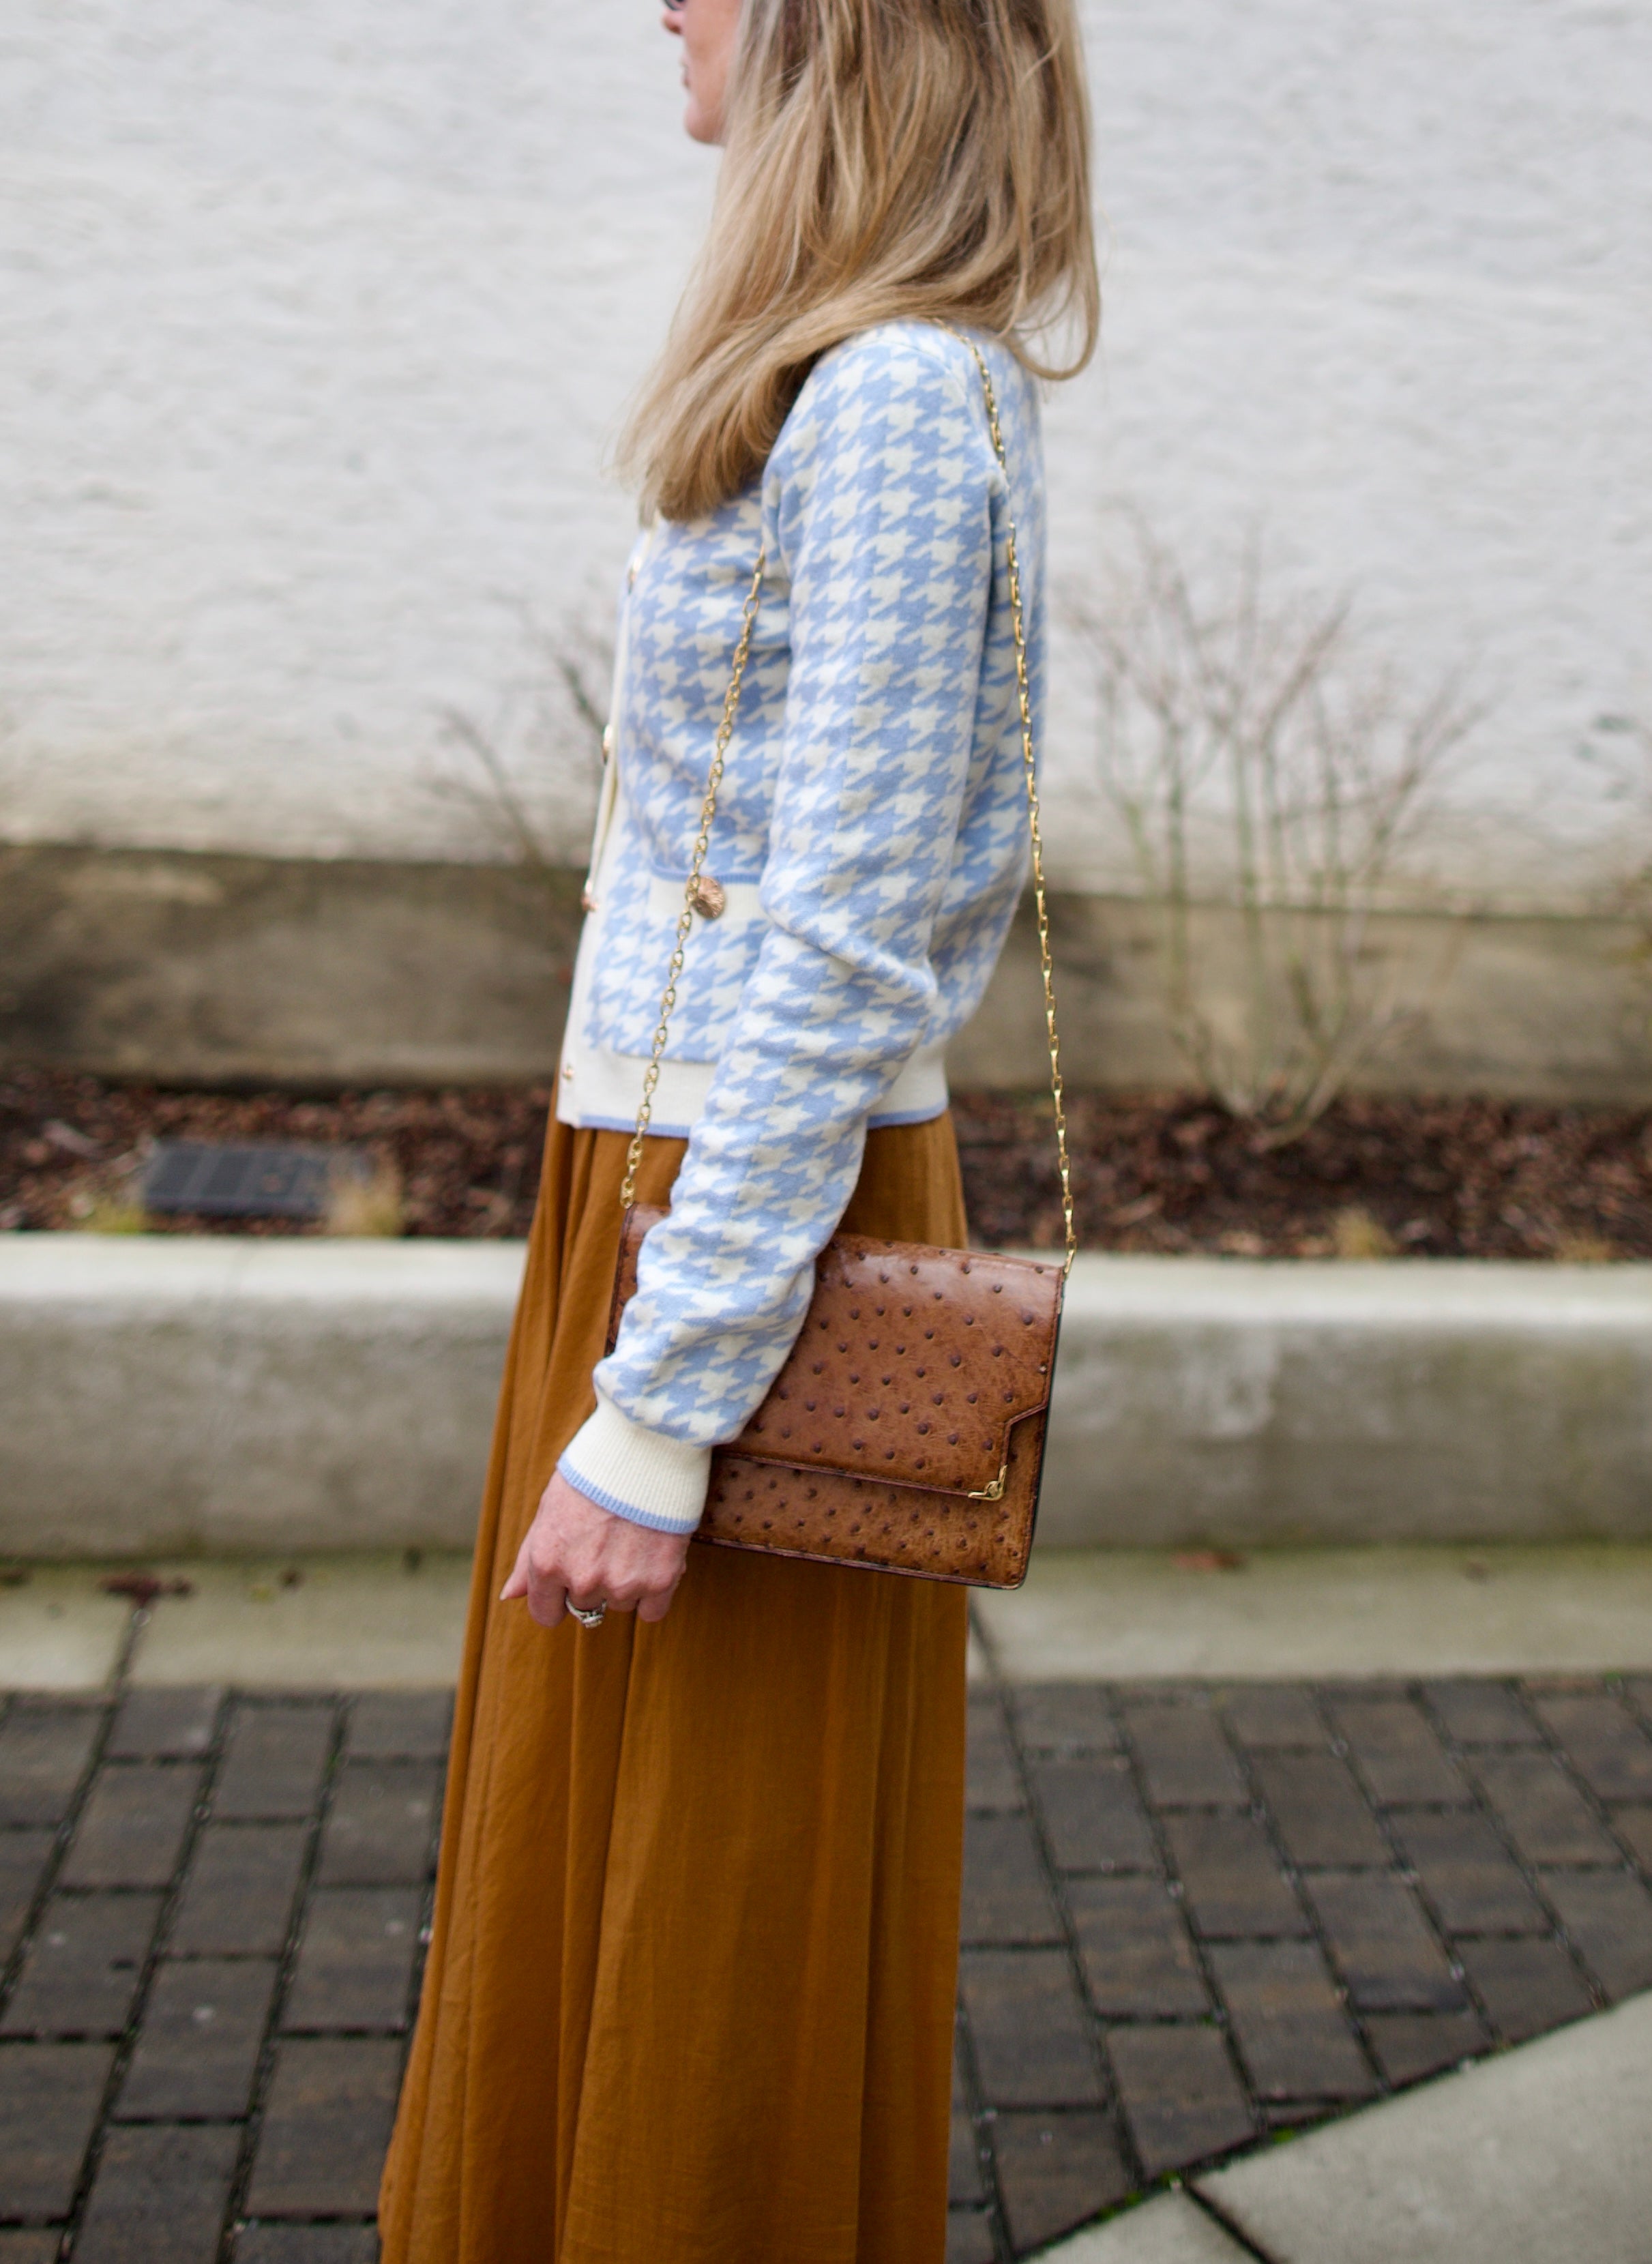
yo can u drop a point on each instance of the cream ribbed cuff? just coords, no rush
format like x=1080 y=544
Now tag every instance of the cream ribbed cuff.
x=638 y=1474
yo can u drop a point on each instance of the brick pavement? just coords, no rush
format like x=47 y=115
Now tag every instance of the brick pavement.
x=1193 y=1917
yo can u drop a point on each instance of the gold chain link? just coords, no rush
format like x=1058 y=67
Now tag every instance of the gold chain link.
x=708 y=811
x=691 y=891
x=1029 y=763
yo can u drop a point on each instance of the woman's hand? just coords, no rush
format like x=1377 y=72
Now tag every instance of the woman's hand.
x=574 y=1550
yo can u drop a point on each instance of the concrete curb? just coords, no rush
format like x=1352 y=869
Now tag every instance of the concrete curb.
x=164 y=1394
x=1429 y=1400
x=1536 y=2155
x=167 y=1394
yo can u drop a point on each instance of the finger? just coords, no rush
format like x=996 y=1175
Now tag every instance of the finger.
x=547 y=1588
x=518 y=1584
x=656 y=1606
x=548 y=1602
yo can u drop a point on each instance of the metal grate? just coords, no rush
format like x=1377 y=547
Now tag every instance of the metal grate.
x=250 y=1180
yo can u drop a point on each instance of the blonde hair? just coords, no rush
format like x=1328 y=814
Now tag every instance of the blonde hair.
x=885 y=160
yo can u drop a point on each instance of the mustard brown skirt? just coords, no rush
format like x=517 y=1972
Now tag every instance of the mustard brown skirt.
x=688 y=1998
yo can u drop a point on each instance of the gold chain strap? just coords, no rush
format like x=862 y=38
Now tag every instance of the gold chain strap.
x=708 y=811
x=691 y=889
x=1024 y=696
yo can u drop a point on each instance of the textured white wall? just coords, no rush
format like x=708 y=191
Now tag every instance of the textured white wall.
x=315 y=316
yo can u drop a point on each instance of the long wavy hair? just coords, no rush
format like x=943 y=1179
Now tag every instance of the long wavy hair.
x=885 y=160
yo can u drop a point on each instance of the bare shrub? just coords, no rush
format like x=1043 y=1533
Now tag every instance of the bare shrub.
x=1268 y=776
x=524 y=775
x=1618 y=748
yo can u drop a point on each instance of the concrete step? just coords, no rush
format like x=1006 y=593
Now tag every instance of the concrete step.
x=171 y=1394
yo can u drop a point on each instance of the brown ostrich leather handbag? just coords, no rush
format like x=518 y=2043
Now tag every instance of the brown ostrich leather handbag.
x=905 y=1431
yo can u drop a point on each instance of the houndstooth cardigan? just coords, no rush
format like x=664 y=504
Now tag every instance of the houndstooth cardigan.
x=871 y=839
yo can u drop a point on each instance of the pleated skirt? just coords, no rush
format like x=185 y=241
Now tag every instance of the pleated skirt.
x=689 y=1995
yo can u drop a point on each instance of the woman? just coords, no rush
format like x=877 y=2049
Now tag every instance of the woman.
x=689 y=1990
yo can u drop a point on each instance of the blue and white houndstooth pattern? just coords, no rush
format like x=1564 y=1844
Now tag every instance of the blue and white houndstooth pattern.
x=873 y=791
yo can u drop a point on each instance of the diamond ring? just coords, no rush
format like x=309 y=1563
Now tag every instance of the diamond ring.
x=590 y=1619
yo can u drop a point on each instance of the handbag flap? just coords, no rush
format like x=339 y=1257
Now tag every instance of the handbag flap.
x=912 y=1363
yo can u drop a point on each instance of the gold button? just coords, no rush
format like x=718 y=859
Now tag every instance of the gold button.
x=607 y=742
x=708 y=898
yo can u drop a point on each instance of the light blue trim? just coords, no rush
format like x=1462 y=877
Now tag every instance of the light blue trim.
x=908 y=1117
x=668 y=1131
x=660 y=1131
x=615 y=1507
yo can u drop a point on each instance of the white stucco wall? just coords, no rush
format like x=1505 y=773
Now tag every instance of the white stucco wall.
x=315 y=316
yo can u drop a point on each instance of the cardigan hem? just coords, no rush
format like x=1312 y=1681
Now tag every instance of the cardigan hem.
x=599 y=1089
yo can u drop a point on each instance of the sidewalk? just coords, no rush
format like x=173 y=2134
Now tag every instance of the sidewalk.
x=1200 y=1914
x=395 y=1618
x=1541 y=2154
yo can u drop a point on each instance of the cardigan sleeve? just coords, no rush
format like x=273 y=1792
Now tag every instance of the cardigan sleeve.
x=880 y=503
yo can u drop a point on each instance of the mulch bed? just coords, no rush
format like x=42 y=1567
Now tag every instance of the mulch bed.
x=1153 y=1171
x=1376 y=1176
x=468 y=1159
